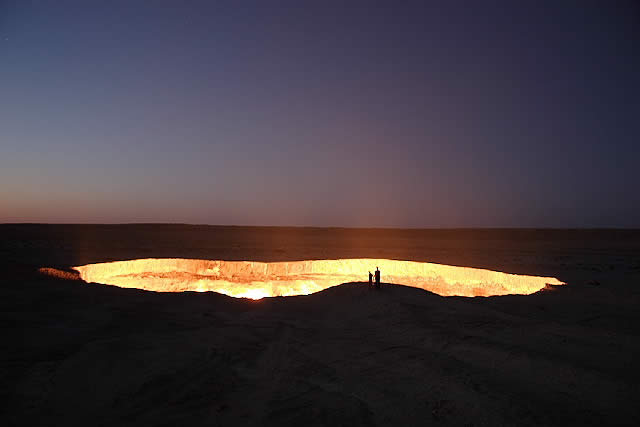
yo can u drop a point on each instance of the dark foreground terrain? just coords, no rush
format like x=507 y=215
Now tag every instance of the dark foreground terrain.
x=87 y=354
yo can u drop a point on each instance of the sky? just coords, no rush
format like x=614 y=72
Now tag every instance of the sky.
x=304 y=113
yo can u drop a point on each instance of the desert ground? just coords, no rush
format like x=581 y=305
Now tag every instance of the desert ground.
x=75 y=353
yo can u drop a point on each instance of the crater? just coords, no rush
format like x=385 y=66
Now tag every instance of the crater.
x=249 y=279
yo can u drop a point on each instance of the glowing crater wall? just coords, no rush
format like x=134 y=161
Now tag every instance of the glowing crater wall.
x=258 y=279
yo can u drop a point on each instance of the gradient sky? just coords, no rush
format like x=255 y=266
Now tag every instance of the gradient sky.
x=406 y=114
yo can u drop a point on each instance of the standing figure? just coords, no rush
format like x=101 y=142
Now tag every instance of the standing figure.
x=370 y=280
x=377 y=278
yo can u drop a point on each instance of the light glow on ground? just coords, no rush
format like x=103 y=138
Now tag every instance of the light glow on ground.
x=255 y=280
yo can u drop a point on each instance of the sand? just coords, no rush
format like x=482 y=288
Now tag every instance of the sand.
x=82 y=354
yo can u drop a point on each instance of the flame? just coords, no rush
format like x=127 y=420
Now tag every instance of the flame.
x=255 y=280
x=256 y=293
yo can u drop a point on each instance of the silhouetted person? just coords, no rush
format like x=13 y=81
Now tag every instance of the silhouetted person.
x=370 y=280
x=377 y=278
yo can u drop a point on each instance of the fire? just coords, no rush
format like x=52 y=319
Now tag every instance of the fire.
x=255 y=280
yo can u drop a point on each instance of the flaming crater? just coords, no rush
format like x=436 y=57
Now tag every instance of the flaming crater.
x=249 y=279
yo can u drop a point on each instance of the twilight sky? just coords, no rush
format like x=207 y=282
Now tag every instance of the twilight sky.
x=407 y=114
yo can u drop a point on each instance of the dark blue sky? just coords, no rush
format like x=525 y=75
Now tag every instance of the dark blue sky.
x=408 y=114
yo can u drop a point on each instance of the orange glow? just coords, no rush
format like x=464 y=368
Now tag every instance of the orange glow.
x=248 y=279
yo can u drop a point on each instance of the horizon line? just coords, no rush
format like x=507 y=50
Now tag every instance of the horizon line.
x=319 y=226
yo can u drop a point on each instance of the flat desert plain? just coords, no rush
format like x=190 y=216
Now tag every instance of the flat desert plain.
x=76 y=353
